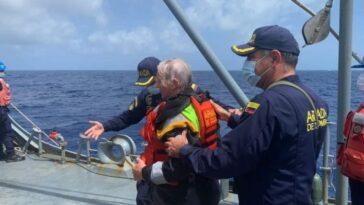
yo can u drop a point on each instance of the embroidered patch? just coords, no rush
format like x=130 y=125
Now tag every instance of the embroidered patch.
x=133 y=104
x=149 y=100
x=251 y=107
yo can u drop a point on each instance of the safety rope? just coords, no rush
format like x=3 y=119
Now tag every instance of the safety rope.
x=33 y=124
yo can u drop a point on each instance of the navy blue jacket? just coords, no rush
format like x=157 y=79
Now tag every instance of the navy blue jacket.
x=138 y=109
x=272 y=150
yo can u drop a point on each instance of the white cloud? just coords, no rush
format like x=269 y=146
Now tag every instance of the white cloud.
x=82 y=25
x=174 y=38
x=25 y=22
x=123 y=41
x=67 y=8
x=242 y=16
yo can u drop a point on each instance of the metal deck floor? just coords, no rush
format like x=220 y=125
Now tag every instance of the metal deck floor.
x=40 y=181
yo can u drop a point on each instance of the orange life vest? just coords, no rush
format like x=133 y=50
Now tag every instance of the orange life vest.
x=208 y=121
x=154 y=146
x=350 y=155
x=5 y=97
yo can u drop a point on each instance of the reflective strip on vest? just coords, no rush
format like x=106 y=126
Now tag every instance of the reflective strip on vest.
x=187 y=119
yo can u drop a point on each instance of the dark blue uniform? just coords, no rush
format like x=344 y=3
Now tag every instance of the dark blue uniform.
x=272 y=150
x=144 y=102
x=6 y=135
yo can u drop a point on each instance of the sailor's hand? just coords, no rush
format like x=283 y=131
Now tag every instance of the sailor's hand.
x=137 y=170
x=95 y=131
x=235 y=111
x=174 y=144
x=221 y=112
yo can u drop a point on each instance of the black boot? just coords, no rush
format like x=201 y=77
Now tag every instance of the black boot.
x=14 y=158
x=2 y=154
x=2 y=157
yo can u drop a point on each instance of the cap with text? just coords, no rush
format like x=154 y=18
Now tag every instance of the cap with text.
x=269 y=38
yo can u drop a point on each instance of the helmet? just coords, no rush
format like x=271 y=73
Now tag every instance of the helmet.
x=2 y=67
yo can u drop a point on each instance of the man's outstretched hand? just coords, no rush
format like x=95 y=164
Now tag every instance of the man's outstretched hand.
x=95 y=131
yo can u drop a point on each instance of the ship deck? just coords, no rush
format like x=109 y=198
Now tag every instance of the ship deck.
x=44 y=180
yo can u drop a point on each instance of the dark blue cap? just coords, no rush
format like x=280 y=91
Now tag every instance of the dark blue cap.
x=2 y=67
x=147 y=69
x=269 y=38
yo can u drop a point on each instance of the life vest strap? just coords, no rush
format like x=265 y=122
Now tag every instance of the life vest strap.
x=208 y=144
x=211 y=133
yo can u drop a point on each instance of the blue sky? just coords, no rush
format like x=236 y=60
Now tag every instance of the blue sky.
x=117 y=34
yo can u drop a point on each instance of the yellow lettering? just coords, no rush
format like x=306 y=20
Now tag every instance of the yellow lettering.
x=311 y=126
x=311 y=116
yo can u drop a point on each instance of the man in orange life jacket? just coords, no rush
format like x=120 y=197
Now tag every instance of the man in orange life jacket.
x=350 y=157
x=170 y=180
x=6 y=133
x=142 y=104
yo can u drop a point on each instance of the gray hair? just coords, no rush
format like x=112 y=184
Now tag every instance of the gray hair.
x=289 y=58
x=175 y=69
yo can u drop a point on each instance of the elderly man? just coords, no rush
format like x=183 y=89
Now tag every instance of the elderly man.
x=170 y=180
x=273 y=147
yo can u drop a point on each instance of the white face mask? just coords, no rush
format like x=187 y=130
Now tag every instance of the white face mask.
x=249 y=72
x=360 y=82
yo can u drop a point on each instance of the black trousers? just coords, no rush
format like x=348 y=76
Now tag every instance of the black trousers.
x=6 y=133
x=143 y=193
x=199 y=191
x=357 y=191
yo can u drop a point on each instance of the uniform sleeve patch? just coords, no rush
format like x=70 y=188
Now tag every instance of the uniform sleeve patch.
x=133 y=104
x=136 y=103
x=251 y=107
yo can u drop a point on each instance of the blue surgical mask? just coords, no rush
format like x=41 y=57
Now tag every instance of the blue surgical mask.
x=249 y=72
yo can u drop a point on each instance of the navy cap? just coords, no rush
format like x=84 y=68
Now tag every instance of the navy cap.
x=147 y=69
x=2 y=67
x=269 y=38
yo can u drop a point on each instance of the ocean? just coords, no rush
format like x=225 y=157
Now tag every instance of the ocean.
x=67 y=100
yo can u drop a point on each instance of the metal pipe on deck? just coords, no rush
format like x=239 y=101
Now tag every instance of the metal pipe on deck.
x=207 y=53
x=344 y=95
x=326 y=169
